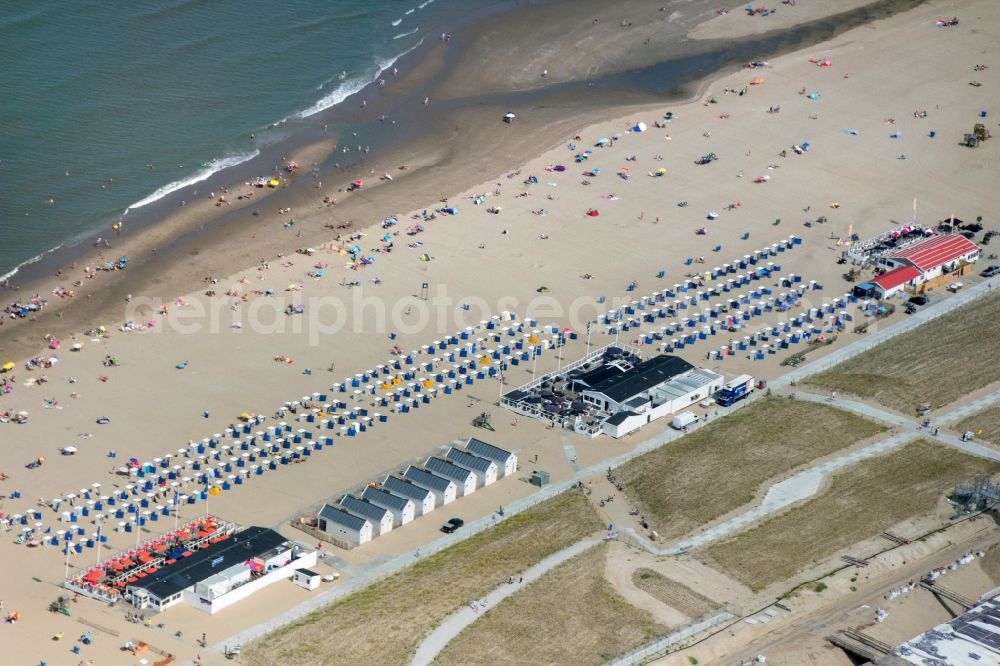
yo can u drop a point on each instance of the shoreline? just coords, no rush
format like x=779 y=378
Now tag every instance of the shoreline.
x=182 y=237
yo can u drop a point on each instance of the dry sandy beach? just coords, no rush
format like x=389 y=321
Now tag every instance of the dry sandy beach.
x=477 y=264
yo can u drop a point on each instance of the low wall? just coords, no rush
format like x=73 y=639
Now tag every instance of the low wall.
x=323 y=536
x=213 y=606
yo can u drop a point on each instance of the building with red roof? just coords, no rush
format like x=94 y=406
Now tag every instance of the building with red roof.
x=934 y=256
x=923 y=265
x=888 y=284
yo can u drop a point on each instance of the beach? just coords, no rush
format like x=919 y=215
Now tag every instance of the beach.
x=854 y=135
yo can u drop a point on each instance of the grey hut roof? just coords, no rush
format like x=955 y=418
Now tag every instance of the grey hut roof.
x=341 y=517
x=425 y=478
x=485 y=450
x=446 y=469
x=404 y=488
x=463 y=459
x=375 y=495
x=362 y=508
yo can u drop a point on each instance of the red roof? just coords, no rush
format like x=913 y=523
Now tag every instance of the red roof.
x=933 y=252
x=896 y=277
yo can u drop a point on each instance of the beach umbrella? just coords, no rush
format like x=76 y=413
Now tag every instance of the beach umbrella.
x=509 y=117
x=8 y=366
x=661 y=170
x=68 y=450
x=603 y=141
x=356 y=183
x=639 y=127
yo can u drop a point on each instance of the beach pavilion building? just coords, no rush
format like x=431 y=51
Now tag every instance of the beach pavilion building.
x=924 y=265
x=464 y=480
x=344 y=529
x=505 y=460
x=401 y=508
x=484 y=469
x=634 y=395
x=380 y=518
x=422 y=498
x=444 y=489
x=215 y=577
x=613 y=387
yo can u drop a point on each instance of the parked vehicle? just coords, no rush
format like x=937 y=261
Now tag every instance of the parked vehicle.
x=735 y=390
x=452 y=525
x=919 y=299
x=683 y=420
x=992 y=271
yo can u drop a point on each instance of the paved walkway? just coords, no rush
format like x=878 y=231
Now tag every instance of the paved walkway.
x=453 y=625
x=570 y=451
x=807 y=483
x=795 y=488
x=393 y=565
x=912 y=426
x=969 y=408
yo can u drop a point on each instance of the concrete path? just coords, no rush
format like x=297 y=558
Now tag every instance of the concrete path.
x=801 y=486
x=570 y=451
x=911 y=425
x=860 y=408
x=453 y=625
x=807 y=483
x=969 y=408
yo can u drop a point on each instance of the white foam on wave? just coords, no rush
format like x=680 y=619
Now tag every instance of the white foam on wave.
x=406 y=34
x=352 y=86
x=200 y=175
x=408 y=12
x=38 y=257
x=197 y=177
x=424 y=4
x=397 y=22
x=335 y=96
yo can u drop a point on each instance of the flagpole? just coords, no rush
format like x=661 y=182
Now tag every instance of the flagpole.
x=559 y=352
x=99 y=519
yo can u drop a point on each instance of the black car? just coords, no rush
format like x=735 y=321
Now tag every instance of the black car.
x=452 y=525
x=992 y=271
x=919 y=299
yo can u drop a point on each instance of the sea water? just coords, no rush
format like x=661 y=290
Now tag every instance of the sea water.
x=107 y=105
